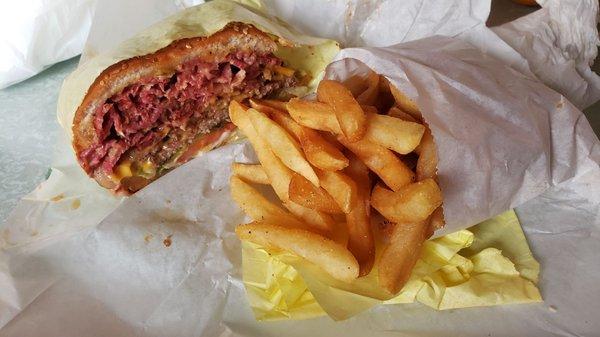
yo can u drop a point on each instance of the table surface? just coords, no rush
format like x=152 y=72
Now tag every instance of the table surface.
x=28 y=120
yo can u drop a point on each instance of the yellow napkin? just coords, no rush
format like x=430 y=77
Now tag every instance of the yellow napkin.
x=488 y=264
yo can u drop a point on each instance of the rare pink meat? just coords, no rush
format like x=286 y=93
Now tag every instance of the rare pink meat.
x=137 y=117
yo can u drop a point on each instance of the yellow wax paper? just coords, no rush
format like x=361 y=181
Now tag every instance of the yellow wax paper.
x=487 y=264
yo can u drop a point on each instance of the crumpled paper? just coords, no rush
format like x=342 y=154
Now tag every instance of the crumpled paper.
x=560 y=42
x=463 y=269
x=37 y=34
x=71 y=276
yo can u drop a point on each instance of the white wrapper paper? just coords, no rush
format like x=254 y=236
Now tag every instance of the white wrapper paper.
x=36 y=34
x=166 y=261
x=497 y=148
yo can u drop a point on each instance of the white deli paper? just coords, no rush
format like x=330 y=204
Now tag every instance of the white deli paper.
x=166 y=261
x=36 y=34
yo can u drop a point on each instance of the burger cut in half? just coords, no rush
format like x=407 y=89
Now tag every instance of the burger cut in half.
x=146 y=115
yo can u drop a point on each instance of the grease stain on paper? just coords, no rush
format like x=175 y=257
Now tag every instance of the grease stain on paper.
x=167 y=241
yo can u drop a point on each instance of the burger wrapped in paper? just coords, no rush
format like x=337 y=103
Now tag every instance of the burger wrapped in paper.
x=161 y=98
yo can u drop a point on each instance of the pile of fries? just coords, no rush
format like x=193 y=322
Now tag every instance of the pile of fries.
x=363 y=144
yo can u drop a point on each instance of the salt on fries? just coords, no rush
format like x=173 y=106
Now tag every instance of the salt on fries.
x=332 y=162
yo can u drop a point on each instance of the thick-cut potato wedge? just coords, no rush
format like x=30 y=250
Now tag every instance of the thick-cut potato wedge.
x=308 y=195
x=394 y=133
x=319 y=152
x=427 y=162
x=264 y=107
x=253 y=173
x=411 y=203
x=382 y=161
x=398 y=113
x=314 y=115
x=400 y=255
x=258 y=207
x=282 y=144
x=279 y=105
x=352 y=119
x=405 y=103
x=357 y=84
x=369 y=96
x=333 y=258
x=437 y=218
x=360 y=236
x=340 y=187
x=320 y=222
x=279 y=175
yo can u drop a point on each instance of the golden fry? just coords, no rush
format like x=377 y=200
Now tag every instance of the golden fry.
x=356 y=84
x=352 y=119
x=412 y=203
x=304 y=193
x=314 y=115
x=319 y=152
x=282 y=144
x=400 y=255
x=253 y=173
x=279 y=175
x=258 y=207
x=394 y=133
x=319 y=222
x=369 y=95
x=405 y=103
x=398 y=113
x=382 y=161
x=340 y=187
x=360 y=236
x=427 y=162
x=333 y=258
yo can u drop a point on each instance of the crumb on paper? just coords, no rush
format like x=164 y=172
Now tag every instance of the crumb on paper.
x=168 y=201
x=75 y=204
x=148 y=238
x=552 y=308
x=167 y=241
x=34 y=232
x=57 y=197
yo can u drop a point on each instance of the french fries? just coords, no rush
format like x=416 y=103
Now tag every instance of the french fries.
x=306 y=194
x=350 y=116
x=427 y=162
x=412 y=203
x=317 y=220
x=319 y=152
x=394 y=133
x=279 y=175
x=395 y=112
x=369 y=95
x=358 y=220
x=282 y=144
x=258 y=207
x=405 y=103
x=314 y=115
x=382 y=161
x=333 y=258
x=400 y=255
x=252 y=173
x=341 y=188
x=318 y=157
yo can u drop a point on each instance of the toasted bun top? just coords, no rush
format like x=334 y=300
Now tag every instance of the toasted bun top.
x=233 y=37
